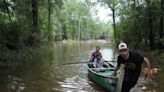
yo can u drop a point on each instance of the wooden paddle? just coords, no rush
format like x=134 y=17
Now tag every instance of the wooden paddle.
x=104 y=68
x=82 y=62
x=76 y=63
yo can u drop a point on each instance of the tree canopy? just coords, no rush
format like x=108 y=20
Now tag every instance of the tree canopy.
x=33 y=22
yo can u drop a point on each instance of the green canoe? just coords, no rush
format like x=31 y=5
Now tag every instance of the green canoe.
x=105 y=78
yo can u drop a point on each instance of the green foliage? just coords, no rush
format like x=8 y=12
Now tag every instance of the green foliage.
x=134 y=25
x=57 y=20
x=73 y=19
x=12 y=57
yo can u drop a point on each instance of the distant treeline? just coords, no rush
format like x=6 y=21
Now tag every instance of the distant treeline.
x=33 y=22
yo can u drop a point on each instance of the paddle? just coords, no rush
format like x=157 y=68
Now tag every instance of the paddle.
x=104 y=68
x=76 y=63
x=82 y=62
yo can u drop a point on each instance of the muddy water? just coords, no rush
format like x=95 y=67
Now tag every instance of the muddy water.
x=47 y=74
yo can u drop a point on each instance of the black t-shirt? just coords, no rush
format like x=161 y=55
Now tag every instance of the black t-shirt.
x=133 y=63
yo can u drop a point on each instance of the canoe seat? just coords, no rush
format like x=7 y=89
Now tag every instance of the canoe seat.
x=105 y=73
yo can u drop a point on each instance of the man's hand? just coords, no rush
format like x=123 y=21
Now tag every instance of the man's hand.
x=114 y=74
x=115 y=71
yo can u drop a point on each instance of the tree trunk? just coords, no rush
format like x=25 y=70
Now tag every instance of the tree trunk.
x=134 y=2
x=114 y=24
x=49 y=21
x=138 y=3
x=8 y=12
x=79 y=28
x=151 y=36
x=137 y=37
x=162 y=19
x=75 y=28
x=12 y=41
x=64 y=31
x=35 y=15
x=161 y=31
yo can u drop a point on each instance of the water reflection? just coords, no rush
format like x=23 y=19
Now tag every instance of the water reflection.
x=75 y=83
x=15 y=83
x=108 y=54
x=45 y=73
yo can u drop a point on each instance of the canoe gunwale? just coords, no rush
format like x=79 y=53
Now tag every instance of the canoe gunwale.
x=108 y=82
x=91 y=70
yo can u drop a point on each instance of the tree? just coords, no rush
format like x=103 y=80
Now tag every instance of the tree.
x=34 y=6
x=30 y=23
x=113 y=5
x=49 y=21
x=161 y=31
x=150 y=17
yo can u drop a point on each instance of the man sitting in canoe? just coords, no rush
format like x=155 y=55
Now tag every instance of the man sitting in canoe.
x=99 y=63
x=132 y=62
x=93 y=56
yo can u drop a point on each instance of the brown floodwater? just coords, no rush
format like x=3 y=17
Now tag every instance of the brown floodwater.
x=47 y=74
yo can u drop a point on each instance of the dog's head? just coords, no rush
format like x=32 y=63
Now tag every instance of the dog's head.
x=155 y=70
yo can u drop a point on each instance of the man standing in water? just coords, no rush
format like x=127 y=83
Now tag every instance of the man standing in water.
x=93 y=56
x=132 y=62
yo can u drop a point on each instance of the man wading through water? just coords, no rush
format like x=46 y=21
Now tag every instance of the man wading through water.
x=132 y=62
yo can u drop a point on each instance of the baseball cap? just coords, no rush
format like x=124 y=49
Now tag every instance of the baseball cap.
x=122 y=46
